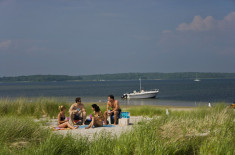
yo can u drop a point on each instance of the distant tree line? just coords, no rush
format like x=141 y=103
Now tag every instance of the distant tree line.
x=38 y=78
x=120 y=76
x=161 y=76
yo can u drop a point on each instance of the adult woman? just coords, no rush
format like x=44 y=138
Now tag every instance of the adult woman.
x=97 y=117
x=62 y=123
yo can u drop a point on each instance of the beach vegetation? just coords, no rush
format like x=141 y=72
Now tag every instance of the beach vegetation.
x=202 y=130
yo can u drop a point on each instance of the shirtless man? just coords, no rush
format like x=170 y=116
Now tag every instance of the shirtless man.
x=114 y=104
x=77 y=111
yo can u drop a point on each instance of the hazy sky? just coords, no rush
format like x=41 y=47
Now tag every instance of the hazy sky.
x=79 y=37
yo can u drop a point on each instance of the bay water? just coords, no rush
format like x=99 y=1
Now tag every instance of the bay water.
x=172 y=92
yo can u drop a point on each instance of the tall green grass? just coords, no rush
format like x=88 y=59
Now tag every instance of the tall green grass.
x=31 y=107
x=201 y=131
x=38 y=107
x=146 y=110
x=19 y=133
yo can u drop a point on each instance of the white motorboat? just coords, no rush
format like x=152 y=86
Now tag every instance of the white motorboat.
x=141 y=93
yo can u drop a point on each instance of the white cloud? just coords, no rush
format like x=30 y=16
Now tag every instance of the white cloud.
x=208 y=35
x=209 y=23
x=5 y=44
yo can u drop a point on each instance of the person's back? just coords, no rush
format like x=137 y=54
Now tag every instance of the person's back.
x=97 y=118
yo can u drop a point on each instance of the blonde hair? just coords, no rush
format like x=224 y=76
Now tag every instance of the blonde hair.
x=61 y=107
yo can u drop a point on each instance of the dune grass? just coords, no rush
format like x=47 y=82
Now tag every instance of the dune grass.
x=31 y=107
x=200 y=131
x=39 y=107
x=147 y=110
x=20 y=133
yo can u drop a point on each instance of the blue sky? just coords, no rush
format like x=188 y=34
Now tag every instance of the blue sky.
x=80 y=37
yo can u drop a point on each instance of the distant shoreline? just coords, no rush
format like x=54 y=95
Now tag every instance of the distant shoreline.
x=120 y=77
x=114 y=80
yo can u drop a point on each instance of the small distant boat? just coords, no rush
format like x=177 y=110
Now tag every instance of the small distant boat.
x=141 y=94
x=196 y=80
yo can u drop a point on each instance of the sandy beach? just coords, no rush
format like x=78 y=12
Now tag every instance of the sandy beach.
x=114 y=130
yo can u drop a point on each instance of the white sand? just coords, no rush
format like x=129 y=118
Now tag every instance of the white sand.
x=89 y=133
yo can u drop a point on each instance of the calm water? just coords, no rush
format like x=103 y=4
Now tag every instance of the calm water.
x=172 y=92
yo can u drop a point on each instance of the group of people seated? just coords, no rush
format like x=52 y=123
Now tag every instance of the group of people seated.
x=77 y=111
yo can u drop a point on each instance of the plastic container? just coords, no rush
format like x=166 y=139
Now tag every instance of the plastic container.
x=125 y=115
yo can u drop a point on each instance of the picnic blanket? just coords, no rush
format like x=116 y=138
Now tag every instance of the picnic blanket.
x=83 y=126
x=80 y=127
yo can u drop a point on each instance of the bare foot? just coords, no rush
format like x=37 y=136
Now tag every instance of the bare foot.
x=114 y=124
x=86 y=127
x=83 y=123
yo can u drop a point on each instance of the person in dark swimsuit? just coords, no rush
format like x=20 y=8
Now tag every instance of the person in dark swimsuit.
x=62 y=123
